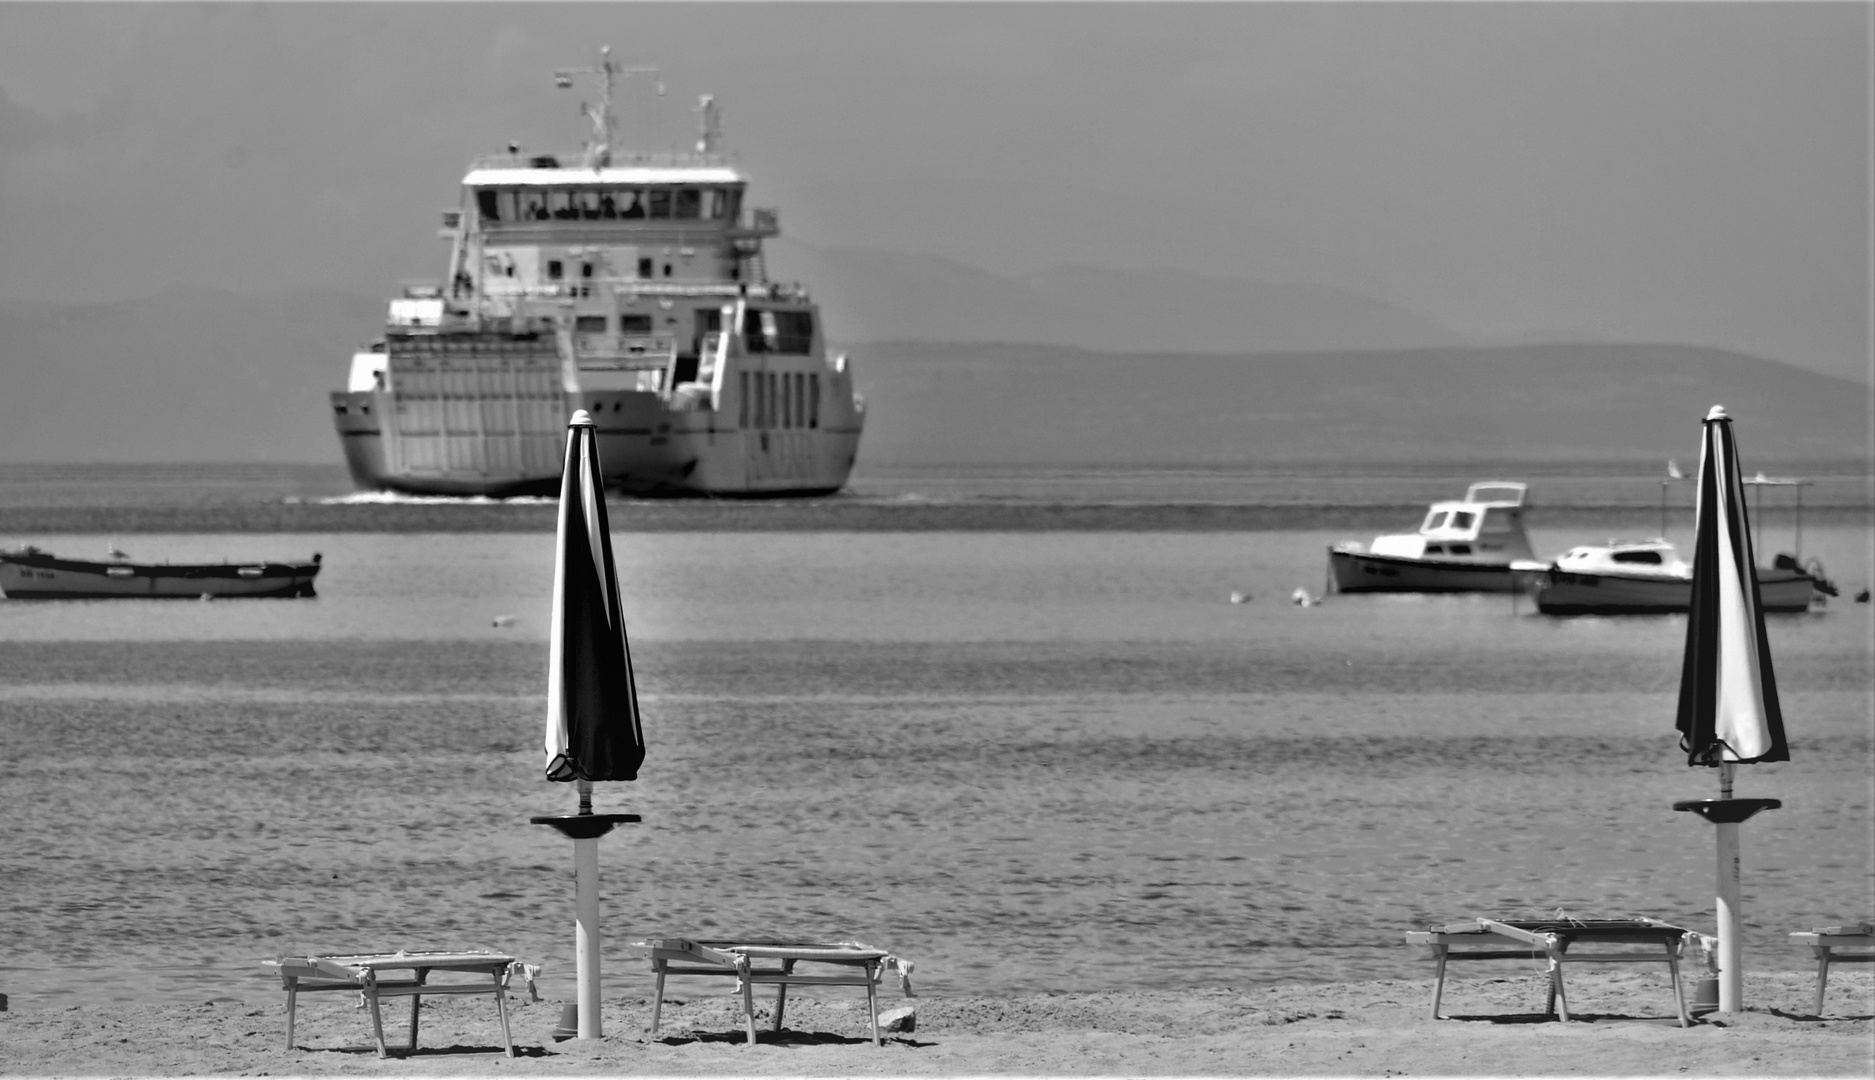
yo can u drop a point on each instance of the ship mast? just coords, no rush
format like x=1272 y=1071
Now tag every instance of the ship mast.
x=604 y=121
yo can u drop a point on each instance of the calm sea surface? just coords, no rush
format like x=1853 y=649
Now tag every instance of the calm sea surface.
x=1027 y=761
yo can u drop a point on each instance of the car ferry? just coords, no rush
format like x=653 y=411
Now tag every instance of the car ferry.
x=628 y=285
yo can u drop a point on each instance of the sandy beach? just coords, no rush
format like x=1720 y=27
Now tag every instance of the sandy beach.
x=1623 y=1026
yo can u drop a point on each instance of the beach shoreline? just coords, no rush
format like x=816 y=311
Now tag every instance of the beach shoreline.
x=1623 y=1025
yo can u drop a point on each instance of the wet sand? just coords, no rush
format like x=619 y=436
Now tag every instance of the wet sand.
x=1623 y=1026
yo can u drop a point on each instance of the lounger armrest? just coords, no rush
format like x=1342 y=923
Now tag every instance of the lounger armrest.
x=1517 y=933
x=315 y=967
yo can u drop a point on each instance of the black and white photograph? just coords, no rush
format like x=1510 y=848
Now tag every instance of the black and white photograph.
x=854 y=538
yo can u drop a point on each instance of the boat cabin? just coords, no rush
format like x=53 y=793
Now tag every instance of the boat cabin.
x=1485 y=526
x=1647 y=557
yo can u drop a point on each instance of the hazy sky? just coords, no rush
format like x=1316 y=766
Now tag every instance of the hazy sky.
x=1693 y=173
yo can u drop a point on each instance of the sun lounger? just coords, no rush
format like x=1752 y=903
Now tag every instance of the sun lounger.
x=1825 y=940
x=359 y=974
x=861 y=965
x=1550 y=941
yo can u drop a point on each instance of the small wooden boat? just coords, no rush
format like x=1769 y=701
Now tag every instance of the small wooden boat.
x=31 y=574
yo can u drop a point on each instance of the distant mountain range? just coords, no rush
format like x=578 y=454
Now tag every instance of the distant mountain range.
x=1048 y=405
x=1138 y=367
x=896 y=296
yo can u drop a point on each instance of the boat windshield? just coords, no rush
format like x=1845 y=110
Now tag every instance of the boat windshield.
x=1645 y=558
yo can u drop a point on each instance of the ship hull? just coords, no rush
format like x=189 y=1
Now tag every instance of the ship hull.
x=1362 y=572
x=1562 y=592
x=645 y=450
x=41 y=576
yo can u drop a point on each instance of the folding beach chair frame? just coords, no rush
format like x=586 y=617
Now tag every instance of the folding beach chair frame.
x=738 y=959
x=1550 y=942
x=1824 y=940
x=358 y=973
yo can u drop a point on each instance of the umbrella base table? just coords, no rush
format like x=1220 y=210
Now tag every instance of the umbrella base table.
x=1824 y=940
x=1550 y=940
x=359 y=974
x=738 y=959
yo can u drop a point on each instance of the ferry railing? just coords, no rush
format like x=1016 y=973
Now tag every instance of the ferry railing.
x=619 y=160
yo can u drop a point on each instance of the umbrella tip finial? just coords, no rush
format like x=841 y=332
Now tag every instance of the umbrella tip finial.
x=1717 y=412
x=581 y=418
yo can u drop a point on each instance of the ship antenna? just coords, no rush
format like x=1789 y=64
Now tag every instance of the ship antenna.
x=604 y=123
x=709 y=124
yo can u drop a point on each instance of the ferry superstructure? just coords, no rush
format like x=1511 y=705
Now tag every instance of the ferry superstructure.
x=631 y=286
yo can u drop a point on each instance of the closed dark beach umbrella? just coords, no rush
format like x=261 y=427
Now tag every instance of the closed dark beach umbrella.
x=593 y=728
x=1728 y=713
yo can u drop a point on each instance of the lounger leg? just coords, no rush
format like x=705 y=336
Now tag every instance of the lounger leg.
x=748 y=999
x=1822 y=975
x=377 y=1018
x=872 y=998
x=415 y=999
x=1679 y=993
x=292 y=999
x=1438 y=979
x=1559 y=996
x=501 y=1007
x=781 y=992
x=657 y=996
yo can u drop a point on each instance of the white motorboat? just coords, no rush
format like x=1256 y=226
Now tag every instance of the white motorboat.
x=1466 y=545
x=1648 y=577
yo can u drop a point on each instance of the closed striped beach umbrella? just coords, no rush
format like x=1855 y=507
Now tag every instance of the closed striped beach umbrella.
x=593 y=728
x=1728 y=713
x=1728 y=693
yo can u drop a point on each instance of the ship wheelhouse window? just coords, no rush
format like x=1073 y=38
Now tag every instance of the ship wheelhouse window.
x=688 y=205
x=660 y=199
x=1462 y=519
x=813 y=399
x=488 y=204
x=794 y=332
x=560 y=206
x=631 y=203
x=788 y=332
x=1434 y=520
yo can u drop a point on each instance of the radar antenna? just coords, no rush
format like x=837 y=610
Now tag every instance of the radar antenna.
x=604 y=123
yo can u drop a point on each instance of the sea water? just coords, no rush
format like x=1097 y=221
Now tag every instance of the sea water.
x=1025 y=761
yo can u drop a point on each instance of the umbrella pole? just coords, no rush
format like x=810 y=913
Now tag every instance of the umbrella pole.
x=586 y=906
x=1730 y=918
